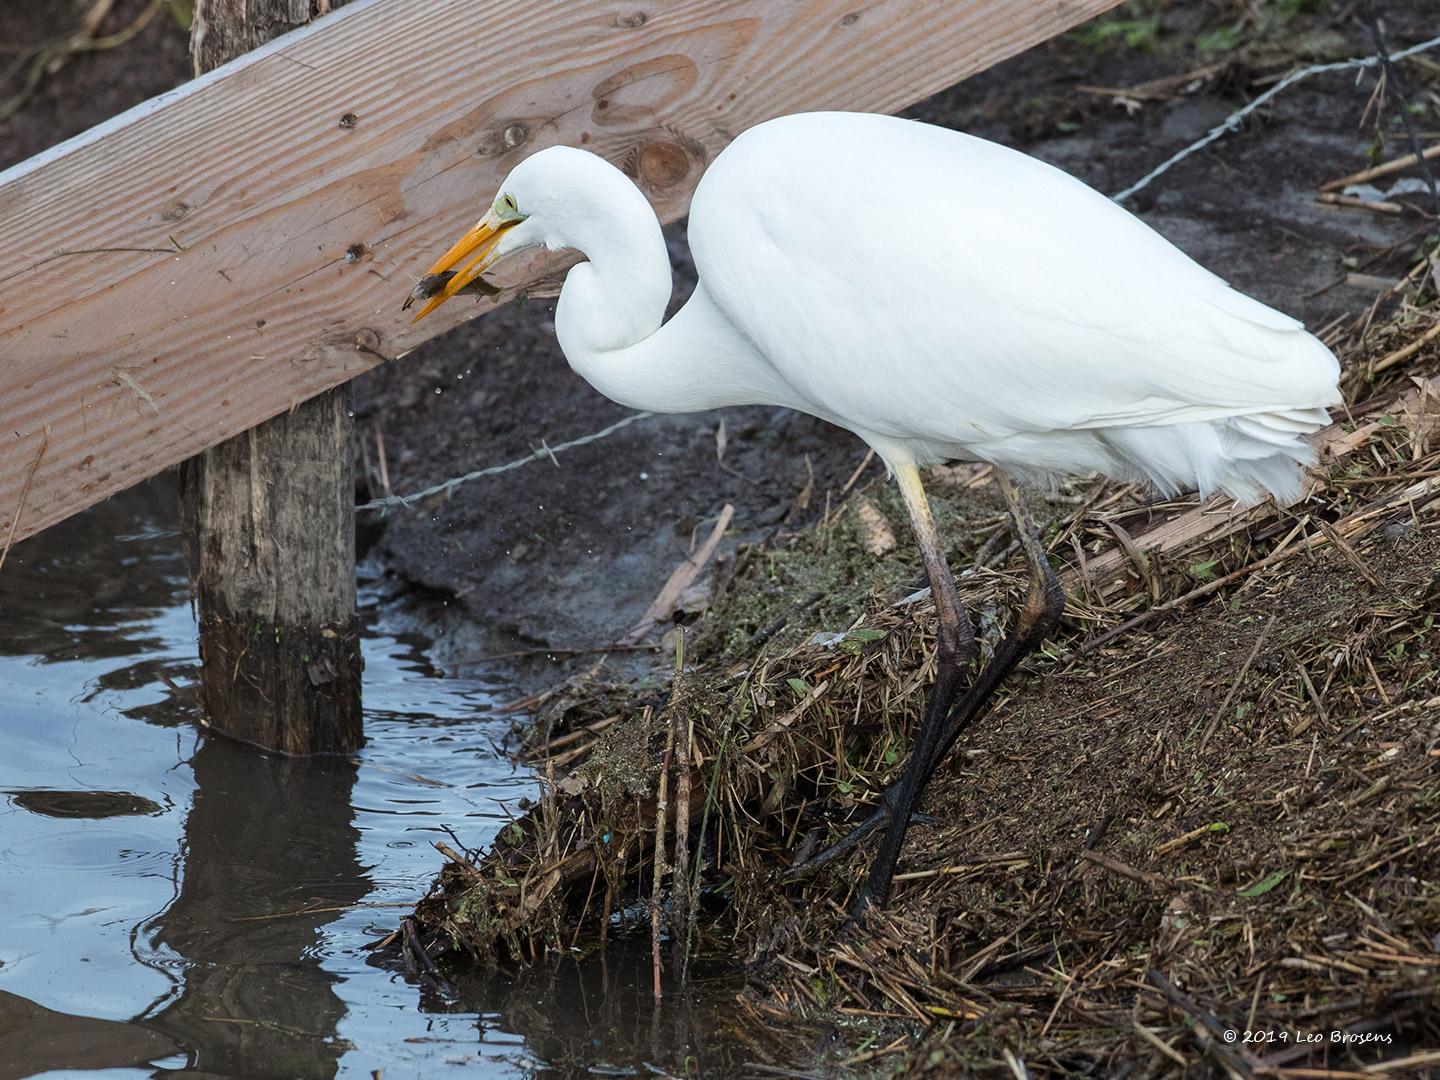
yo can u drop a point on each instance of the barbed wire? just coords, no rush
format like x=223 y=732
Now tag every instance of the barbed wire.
x=1231 y=122
x=546 y=451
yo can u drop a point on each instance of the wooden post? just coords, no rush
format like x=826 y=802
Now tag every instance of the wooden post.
x=270 y=524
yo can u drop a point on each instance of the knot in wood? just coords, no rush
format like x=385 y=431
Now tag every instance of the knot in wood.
x=503 y=137
x=663 y=164
x=368 y=340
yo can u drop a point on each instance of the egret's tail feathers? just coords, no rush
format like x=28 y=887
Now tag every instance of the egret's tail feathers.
x=1243 y=456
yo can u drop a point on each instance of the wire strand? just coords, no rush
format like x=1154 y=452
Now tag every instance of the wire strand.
x=1231 y=122
x=545 y=451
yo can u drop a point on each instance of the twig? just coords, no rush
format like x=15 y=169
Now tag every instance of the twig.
x=1330 y=198
x=1348 y=553
x=1161 y=1045
x=684 y=575
x=1235 y=686
x=383 y=459
x=682 y=731
x=1399 y=356
x=1209 y=1032
x=82 y=40
x=659 y=856
x=24 y=491
x=869 y=457
x=775 y=727
x=1162 y=89
x=324 y=910
x=469 y=868
x=591 y=650
x=417 y=951
x=1183 y=839
x=1396 y=90
x=1376 y=172
x=173 y=250
x=1115 y=866
x=1411 y=1061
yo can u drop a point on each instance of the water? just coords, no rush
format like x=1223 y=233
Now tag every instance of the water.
x=174 y=903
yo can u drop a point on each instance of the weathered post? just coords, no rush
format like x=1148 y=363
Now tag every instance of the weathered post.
x=270 y=524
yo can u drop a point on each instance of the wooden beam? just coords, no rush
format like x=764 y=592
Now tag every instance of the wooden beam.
x=216 y=255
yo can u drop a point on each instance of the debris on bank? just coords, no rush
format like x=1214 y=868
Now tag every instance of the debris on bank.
x=1212 y=804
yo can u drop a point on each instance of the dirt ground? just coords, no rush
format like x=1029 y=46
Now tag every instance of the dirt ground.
x=78 y=90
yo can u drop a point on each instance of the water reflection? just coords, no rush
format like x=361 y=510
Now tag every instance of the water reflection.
x=270 y=857
x=597 y=1016
x=73 y=593
x=202 y=907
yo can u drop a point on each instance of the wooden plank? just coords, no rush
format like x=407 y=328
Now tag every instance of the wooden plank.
x=213 y=257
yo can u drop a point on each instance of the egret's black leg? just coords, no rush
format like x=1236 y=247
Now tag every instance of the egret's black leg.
x=852 y=839
x=955 y=637
x=954 y=653
x=1044 y=604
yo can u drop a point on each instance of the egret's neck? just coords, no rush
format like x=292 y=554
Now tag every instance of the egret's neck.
x=617 y=297
x=609 y=317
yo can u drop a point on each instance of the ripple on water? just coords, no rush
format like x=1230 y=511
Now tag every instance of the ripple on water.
x=80 y=850
x=234 y=914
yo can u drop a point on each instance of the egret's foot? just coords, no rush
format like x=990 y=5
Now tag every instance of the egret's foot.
x=863 y=905
x=851 y=840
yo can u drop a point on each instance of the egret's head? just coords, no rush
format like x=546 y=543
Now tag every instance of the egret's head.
x=551 y=199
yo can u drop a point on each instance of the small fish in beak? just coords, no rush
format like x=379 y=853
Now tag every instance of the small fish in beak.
x=432 y=284
x=460 y=267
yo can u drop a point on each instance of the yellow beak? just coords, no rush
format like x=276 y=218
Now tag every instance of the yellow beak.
x=477 y=245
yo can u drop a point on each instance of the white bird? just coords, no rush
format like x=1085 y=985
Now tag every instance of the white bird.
x=944 y=298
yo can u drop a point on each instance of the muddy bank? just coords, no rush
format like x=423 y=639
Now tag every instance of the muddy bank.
x=570 y=557
x=1222 y=816
x=1212 y=805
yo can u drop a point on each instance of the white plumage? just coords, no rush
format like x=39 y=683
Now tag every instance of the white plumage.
x=941 y=296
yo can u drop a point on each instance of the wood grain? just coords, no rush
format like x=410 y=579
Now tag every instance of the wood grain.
x=210 y=258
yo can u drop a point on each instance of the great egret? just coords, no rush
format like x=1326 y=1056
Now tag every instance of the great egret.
x=942 y=297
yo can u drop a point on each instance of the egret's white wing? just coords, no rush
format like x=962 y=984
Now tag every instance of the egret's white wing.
x=915 y=282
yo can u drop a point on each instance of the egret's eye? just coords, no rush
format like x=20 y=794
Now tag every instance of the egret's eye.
x=507 y=210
